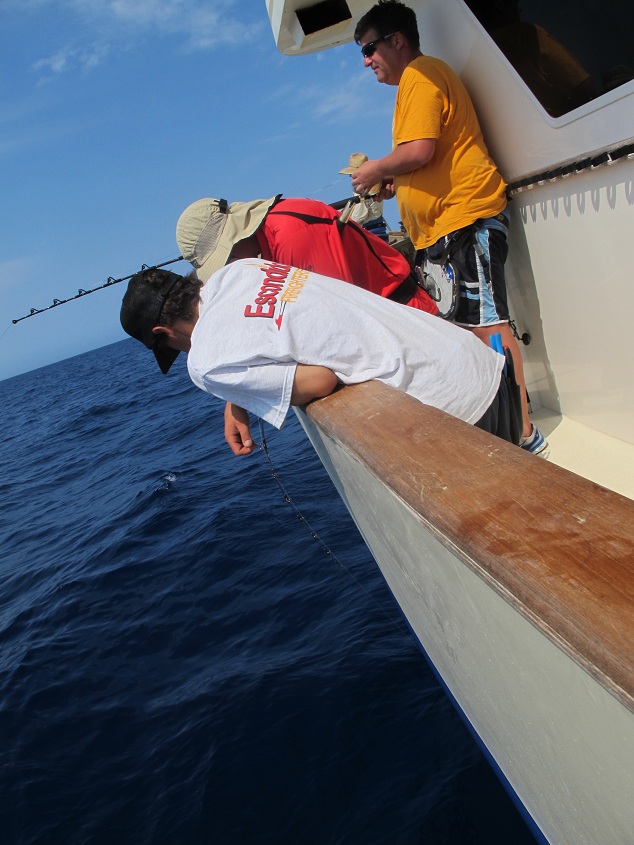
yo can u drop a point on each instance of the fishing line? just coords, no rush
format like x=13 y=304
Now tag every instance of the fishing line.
x=329 y=185
x=300 y=516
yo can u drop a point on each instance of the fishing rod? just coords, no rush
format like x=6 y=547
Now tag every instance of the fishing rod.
x=110 y=281
x=345 y=204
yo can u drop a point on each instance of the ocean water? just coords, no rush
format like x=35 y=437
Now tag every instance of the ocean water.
x=181 y=660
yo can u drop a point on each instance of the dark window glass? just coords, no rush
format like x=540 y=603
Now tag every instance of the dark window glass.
x=322 y=15
x=567 y=53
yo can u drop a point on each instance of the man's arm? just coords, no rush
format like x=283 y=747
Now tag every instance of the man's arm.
x=404 y=158
x=237 y=431
x=312 y=382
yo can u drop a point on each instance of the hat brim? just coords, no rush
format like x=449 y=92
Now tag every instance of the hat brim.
x=243 y=220
x=165 y=358
x=356 y=160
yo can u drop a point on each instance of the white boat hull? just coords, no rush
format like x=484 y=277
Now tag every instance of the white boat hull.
x=559 y=727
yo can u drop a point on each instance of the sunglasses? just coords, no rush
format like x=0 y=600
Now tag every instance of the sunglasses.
x=368 y=49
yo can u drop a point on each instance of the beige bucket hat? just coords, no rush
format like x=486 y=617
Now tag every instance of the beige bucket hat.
x=208 y=230
x=356 y=160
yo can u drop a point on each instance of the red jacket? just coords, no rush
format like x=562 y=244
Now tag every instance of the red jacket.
x=306 y=233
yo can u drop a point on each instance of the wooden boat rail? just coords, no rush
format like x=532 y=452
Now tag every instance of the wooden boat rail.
x=557 y=547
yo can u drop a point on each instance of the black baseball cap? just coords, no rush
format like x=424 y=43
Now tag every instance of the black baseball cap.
x=141 y=311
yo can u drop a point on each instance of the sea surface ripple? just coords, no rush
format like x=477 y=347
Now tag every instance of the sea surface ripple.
x=180 y=661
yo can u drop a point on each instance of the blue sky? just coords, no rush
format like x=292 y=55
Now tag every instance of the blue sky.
x=116 y=114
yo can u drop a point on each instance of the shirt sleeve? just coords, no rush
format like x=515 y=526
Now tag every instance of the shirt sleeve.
x=264 y=389
x=419 y=110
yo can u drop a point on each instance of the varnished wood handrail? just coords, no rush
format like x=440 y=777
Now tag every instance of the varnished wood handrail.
x=556 y=546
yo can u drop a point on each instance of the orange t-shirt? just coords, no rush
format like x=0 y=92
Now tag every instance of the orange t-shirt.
x=461 y=182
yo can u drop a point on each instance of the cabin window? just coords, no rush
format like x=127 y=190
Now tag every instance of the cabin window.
x=322 y=15
x=567 y=53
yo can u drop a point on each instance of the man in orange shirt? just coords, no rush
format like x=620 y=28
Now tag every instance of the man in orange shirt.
x=449 y=191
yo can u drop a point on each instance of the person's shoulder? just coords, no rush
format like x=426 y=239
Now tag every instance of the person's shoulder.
x=440 y=67
x=427 y=69
x=305 y=205
x=428 y=62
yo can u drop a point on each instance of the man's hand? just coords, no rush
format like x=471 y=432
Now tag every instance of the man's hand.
x=406 y=157
x=237 y=431
x=310 y=382
x=366 y=177
x=387 y=190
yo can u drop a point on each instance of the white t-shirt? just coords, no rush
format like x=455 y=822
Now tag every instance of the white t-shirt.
x=259 y=319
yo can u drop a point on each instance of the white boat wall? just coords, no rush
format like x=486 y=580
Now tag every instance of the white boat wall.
x=519 y=593
x=515 y=573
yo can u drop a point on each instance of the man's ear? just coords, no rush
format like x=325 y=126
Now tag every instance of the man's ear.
x=166 y=330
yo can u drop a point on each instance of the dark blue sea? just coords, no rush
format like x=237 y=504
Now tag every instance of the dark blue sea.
x=182 y=662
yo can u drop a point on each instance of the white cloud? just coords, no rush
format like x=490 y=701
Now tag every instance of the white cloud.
x=94 y=56
x=56 y=63
x=69 y=58
x=357 y=95
x=110 y=25
x=202 y=22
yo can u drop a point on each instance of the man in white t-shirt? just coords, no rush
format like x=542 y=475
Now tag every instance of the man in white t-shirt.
x=266 y=336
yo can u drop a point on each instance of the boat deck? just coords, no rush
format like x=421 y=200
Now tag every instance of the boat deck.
x=586 y=452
